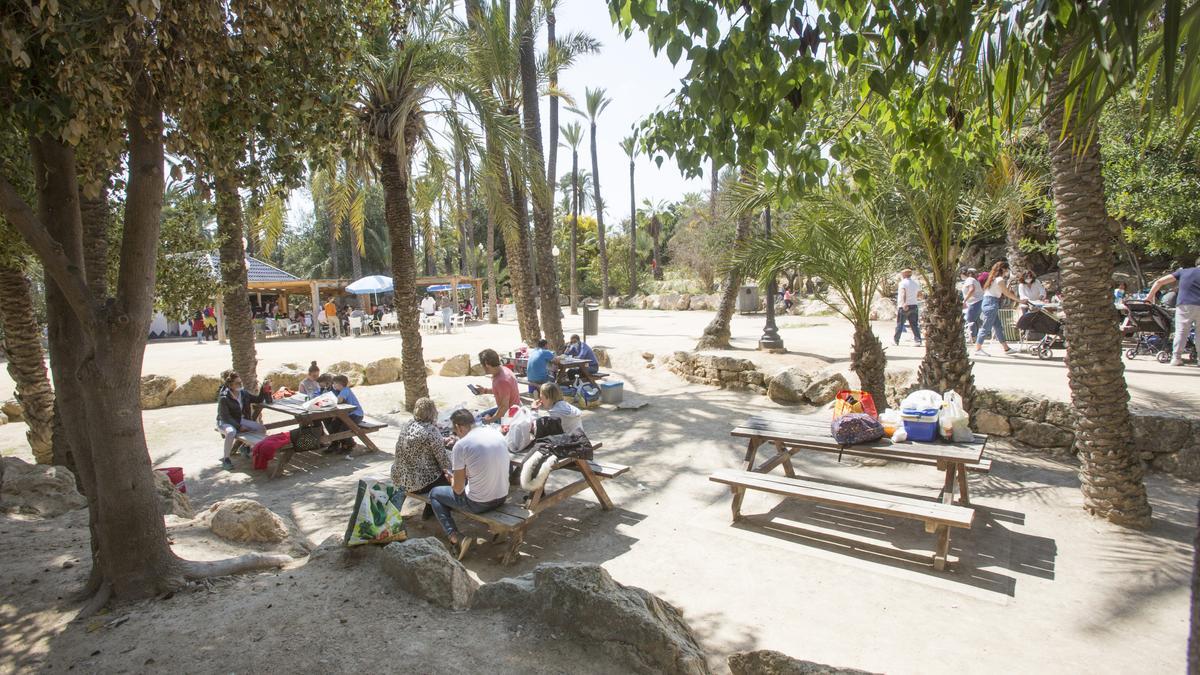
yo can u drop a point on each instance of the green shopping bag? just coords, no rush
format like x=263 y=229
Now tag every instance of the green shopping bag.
x=375 y=518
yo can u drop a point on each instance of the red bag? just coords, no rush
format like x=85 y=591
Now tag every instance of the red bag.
x=264 y=450
x=850 y=401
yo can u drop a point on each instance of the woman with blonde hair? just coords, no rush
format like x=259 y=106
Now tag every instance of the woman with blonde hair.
x=550 y=399
x=422 y=462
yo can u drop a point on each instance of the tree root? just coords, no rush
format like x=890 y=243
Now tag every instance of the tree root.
x=96 y=602
x=194 y=570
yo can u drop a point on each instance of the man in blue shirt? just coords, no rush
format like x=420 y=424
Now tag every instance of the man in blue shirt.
x=1187 y=305
x=540 y=358
x=579 y=349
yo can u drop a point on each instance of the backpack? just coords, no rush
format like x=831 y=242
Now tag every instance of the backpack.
x=306 y=439
x=546 y=426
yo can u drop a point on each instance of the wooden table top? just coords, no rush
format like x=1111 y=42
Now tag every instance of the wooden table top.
x=813 y=431
x=297 y=409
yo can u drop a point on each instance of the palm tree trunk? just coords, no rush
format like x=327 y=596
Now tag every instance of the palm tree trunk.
x=632 y=233
x=334 y=267
x=397 y=211
x=869 y=362
x=239 y=321
x=599 y=222
x=516 y=245
x=946 y=365
x=712 y=192
x=460 y=222
x=541 y=191
x=491 y=268
x=1111 y=473
x=574 y=231
x=716 y=334
x=552 y=159
x=22 y=348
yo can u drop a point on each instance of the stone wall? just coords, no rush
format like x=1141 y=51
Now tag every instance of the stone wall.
x=725 y=372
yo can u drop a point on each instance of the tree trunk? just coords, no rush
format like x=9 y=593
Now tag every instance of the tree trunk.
x=239 y=320
x=632 y=234
x=655 y=229
x=460 y=222
x=398 y=213
x=95 y=213
x=716 y=334
x=574 y=231
x=599 y=222
x=355 y=256
x=516 y=244
x=946 y=364
x=869 y=362
x=22 y=347
x=1111 y=473
x=334 y=266
x=552 y=159
x=714 y=179
x=491 y=268
x=540 y=189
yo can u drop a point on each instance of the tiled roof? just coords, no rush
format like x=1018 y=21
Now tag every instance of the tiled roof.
x=256 y=270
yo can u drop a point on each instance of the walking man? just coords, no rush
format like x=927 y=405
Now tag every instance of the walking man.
x=332 y=320
x=906 y=306
x=1187 y=305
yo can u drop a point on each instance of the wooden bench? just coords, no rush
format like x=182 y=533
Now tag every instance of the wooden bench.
x=938 y=517
x=511 y=519
x=284 y=455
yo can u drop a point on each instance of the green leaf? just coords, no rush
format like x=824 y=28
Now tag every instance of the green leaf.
x=878 y=83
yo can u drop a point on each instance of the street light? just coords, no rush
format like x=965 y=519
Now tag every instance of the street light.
x=770 y=340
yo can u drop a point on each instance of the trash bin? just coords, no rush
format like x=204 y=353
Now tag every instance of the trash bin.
x=591 y=320
x=747 y=299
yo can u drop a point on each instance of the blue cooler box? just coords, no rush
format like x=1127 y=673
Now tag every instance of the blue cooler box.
x=612 y=392
x=920 y=425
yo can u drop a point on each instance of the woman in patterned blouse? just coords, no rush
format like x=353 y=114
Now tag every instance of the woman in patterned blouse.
x=422 y=462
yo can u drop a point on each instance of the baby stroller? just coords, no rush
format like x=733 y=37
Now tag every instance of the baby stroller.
x=1040 y=320
x=1152 y=327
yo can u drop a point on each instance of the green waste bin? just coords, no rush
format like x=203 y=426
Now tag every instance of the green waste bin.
x=591 y=320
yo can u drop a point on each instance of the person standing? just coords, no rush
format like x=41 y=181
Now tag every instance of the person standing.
x=1030 y=290
x=479 y=481
x=972 y=293
x=906 y=307
x=198 y=327
x=445 y=306
x=331 y=319
x=428 y=305
x=1187 y=305
x=995 y=287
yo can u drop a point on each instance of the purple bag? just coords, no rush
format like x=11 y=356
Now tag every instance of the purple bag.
x=856 y=428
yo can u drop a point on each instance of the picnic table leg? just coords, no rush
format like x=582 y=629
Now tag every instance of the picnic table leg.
x=281 y=461
x=964 y=497
x=739 y=493
x=515 y=538
x=594 y=483
x=948 y=487
x=751 y=452
x=788 y=469
x=943 y=548
x=358 y=431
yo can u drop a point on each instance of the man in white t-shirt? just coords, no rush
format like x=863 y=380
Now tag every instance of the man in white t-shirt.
x=906 y=306
x=428 y=305
x=479 y=462
x=972 y=293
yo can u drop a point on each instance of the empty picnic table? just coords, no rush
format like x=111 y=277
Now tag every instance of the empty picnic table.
x=790 y=434
x=299 y=416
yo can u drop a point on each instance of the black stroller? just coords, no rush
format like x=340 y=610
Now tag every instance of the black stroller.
x=1040 y=320
x=1152 y=326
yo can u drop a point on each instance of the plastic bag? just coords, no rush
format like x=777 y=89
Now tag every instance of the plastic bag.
x=326 y=400
x=922 y=399
x=953 y=422
x=891 y=421
x=850 y=401
x=519 y=431
x=855 y=428
x=587 y=396
x=375 y=518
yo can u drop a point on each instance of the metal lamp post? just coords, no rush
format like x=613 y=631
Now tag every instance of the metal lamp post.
x=770 y=340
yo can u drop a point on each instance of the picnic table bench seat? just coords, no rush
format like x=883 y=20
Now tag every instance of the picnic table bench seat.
x=251 y=438
x=938 y=517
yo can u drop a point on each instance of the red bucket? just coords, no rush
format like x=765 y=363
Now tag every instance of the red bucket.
x=175 y=475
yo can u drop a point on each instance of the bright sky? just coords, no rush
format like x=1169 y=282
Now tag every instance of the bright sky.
x=637 y=82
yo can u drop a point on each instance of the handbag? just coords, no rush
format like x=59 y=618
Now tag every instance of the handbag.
x=375 y=518
x=854 y=428
x=306 y=438
x=546 y=426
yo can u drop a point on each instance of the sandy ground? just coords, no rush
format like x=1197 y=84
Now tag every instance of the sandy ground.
x=1040 y=586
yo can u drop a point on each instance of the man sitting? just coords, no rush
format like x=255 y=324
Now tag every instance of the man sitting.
x=579 y=349
x=479 y=483
x=538 y=369
x=504 y=385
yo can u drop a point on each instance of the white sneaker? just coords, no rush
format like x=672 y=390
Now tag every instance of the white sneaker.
x=1177 y=362
x=979 y=352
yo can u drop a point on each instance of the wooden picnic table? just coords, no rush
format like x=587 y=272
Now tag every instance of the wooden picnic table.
x=299 y=416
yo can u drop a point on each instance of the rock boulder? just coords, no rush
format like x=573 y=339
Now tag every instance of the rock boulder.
x=769 y=662
x=988 y=422
x=198 y=389
x=355 y=372
x=286 y=377
x=38 y=489
x=581 y=598
x=383 y=371
x=424 y=568
x=456 y=366
x=1160 y=433
x=155 y=389
x=12 y=409
x=171 y=500
x=823 y=388
x=789 y=385
x=245 y=520
x=1040 y=434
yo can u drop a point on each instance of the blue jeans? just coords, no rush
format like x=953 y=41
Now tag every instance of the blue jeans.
x=908 y=313
x=443 y=498
x=973 y=311
x=991 y=321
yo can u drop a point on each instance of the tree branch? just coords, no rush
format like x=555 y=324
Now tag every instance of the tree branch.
x=65 y=273
x=143 y=204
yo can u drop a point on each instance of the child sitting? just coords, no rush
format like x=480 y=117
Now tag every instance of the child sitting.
x=341 y=387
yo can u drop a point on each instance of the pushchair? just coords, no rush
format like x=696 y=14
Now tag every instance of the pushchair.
x=1039 y=319
x=1152 y=327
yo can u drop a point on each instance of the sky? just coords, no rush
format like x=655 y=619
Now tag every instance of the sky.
x=637 y=81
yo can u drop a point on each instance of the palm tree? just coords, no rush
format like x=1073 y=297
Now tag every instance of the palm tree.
x=573 y=133
x=595 y=102
x=22 y=348
x=341 y=198
x=629 y=145
x=655 y=209
x=716 y=334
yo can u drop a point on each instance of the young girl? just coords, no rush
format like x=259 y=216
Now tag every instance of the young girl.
x=995 y=287
x=310 y=386
x=341 y=387
x=234 y=414
x=551 y=400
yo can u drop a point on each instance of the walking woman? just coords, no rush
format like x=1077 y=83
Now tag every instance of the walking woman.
x=995 y=287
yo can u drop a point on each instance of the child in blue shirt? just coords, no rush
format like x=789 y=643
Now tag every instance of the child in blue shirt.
x=341 y=387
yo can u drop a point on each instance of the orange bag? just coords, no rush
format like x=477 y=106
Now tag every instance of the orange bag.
x=854 y=401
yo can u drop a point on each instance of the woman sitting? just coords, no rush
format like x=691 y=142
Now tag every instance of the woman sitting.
x=551 y=400
x=234 y=414
x=422 y=462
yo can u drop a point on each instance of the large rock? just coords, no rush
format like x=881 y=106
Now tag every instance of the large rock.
x=245 y=520
x=424 y=568
x=824 y=387
x=477 y=370
x=769 y=662
x=581 y=598
x=383 y=371
x=155 y=389
x=1040 y=434
x=355 y=372
x=12 y=409
x=38 y=489
x=602 y=357
x=669 y=301
x=685 y=302
x=171 y=501
x=198 y=389
x=1186 y=462
x=789 y=385
x=898 y=383
x=1160 y=433
x=286 y=377
x=988 y=422
x=3 y=419
x=456 y=366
